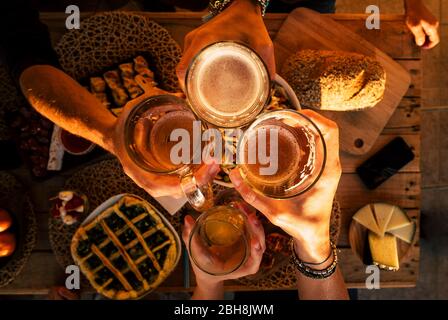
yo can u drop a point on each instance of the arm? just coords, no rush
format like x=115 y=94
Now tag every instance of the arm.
x=331 y=288
x=62 y=100
x=240 y=21
x=307 y=217
x=422 y=23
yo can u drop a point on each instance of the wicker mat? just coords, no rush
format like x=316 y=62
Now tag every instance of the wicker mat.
x=107 y=39
x=16 y=201
x=98 y=182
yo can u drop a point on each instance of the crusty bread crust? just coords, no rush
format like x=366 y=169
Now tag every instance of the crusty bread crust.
x=335 y=80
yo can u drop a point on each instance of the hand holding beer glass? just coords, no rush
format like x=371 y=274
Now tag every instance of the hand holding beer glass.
x=144 y=146
x=306 y=217
x=226 y=242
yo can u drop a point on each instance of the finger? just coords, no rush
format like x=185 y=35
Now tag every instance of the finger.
x=419 y=34
x=179 y=95
x=246 y=208
x=68 y=294
x=53 y=294
x=257 y=231
x=432 y=32
x=181 y=68
x=266 y=52
x=186 y=230
x=324 y=124
x=246 y=192
x=252 y=264
x=207 y=172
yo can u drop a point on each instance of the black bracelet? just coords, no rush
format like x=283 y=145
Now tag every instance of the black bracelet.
x=216 y=6
x=314 y=273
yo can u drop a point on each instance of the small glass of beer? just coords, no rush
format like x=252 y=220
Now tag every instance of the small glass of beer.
x=147 y=139
x=220 y=240
x=282 y=154
x=227 y=84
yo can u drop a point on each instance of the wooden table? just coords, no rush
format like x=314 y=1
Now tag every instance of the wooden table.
x=403 y=189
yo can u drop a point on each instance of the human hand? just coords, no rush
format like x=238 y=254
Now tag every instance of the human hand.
x=208 y=283
x=241 y=21
x=305 y=217
x=157 y=185
x=422 y=23
x=62 y=293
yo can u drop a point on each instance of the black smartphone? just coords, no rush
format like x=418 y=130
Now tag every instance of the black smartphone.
x=385 y=163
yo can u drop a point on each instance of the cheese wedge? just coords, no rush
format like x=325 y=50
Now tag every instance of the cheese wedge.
x=405 y=233
x=384 y=251
x=365 y=217
x=398 y=220
x=382 y=213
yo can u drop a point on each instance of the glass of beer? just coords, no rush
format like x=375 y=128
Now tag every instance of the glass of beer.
x=220 y=241
x=227 y=84
x=147 y=136
x=282 y=154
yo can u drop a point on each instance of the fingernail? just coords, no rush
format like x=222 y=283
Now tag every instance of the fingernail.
x=236 y=182
x=258 y=246
x=254 y=219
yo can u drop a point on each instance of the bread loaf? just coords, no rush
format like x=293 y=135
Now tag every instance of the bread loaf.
x=335 y=80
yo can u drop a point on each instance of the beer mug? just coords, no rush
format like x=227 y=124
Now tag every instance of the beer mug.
x=227 y=84
x=219 y=242
x=147 y=139
x=281 y=154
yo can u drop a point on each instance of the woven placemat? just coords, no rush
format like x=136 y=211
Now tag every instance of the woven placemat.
x=283 y=275
x=10 y=101
x=98 y=182
x=109 y=38
x=14 y=199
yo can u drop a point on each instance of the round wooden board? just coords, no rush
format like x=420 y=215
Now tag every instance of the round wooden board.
x=357 y=235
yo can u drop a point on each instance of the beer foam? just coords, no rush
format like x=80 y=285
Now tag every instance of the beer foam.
x=228 y=81
x=289 y=152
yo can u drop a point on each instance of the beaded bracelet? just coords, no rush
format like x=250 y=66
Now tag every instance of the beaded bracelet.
x=216 y=6
x=314 y=273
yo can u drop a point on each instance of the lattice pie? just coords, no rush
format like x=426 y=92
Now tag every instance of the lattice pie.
x=125 y=251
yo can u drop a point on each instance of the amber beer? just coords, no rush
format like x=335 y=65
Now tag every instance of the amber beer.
x=299 y=148
x=227 y=84
x=219 y=241
x=153 y=132
x=148 y=133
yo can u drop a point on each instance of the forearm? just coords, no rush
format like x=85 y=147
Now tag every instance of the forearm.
x=316 y=250
x=62 y=100
x=331 y=288
x=213 y=291
x=410 y=4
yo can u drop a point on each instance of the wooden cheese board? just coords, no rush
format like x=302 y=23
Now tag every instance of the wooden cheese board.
x=307 y=29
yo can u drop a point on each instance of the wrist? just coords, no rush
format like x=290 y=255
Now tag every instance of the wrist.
x=411 y=5
x=312 y=249
x=251 y=5
x=210 y=285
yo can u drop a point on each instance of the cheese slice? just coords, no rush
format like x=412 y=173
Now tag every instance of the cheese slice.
x=398 y=220
x=365 y=217
x=382 y=213
x=405 y=233
x=384 y=251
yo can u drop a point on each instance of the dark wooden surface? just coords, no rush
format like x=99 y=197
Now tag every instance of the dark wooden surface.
x=403 y=189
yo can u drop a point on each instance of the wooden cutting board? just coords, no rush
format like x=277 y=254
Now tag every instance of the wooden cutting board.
x=307 y=29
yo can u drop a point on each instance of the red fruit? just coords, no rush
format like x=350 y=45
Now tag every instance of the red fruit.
x=74 y=203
